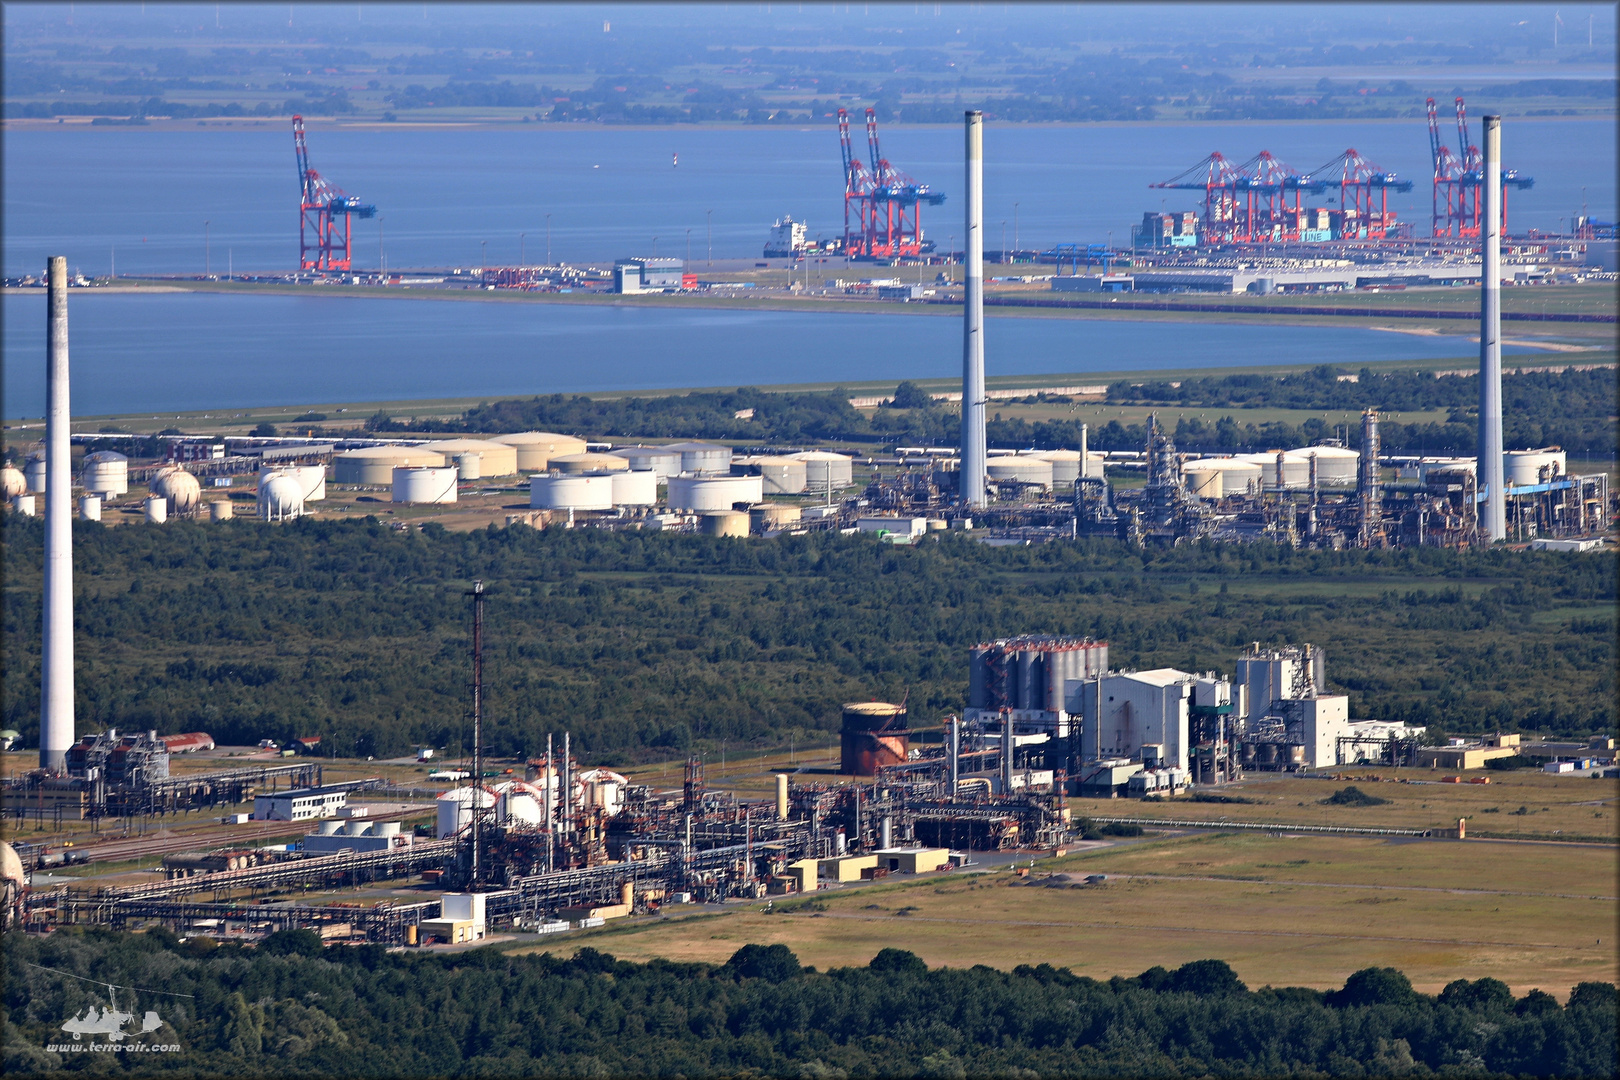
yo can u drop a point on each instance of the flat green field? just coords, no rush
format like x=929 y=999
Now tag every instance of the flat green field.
x=1284 y=911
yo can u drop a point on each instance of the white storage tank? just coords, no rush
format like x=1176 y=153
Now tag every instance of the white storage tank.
x=1235 y=475
x=105 y=473
x=725 y=523
x=157 y=509
x=182 y=489
x=311 y=478
x=494 y=459
x=577 y=464
x=374 y=466
x=1524 y=468
x=535 y=449
x=782 y=475
x=90 y=507
x=660 y=461
x=822 y=467
x=221 y=510
x=559 y=492
x=634 y=487
x=768 y=516
x=1065 y=465
x=707 y=493
x=702 y=457
x=1296 y=471
x=1336 y=466
x=425 y=484
x=13 y=482
x=34 y=471
x=1457 y=467
x=281 y=495
x=1027 y=470
x=468 y=465
x=23 y=504
x=1202 y=481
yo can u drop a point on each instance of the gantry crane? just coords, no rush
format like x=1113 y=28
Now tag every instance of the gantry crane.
x=1360 y=182
x=320 y=204
x=886 y=201
x=1458 y=180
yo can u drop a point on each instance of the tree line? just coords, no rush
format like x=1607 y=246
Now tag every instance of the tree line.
x=293 y=1008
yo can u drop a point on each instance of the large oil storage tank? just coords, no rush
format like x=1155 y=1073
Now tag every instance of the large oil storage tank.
x=634 y=487
x=873 y=734
x=1065 y=465
x=1296 y=471
x=556 y=492
x=1523 y=468
x=425 y=484
x=705 y=493
x=1027 y=470
x=374 y=466
x=12 y=482
x=782 y=475
x=105 y=473
x=311 y=478
x=494 y=459
x=725 y=523
x=1335 y=465
x=768 y=516
x=179 y=487
x=823 y=468
x=575 y=464
x=535 y=449
x=702 y=457
x=281 y=495
x=1234 y=476
x=34 y=473
x=661 y=461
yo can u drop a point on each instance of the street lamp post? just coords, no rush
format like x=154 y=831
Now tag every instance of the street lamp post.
x=208 y=248
x=483 y=256
x=1015 y=226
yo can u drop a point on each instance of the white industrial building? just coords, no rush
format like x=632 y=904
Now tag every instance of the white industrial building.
x=300 y=804
x=356 y=835
x=1124 y=713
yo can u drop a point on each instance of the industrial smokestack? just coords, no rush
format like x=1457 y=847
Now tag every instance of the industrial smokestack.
x=973 y=449
x=56 y=692
x=1489 y=464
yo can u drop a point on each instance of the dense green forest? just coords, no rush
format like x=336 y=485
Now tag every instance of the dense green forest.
x=646 y=644
x=292 y=1008
x=1573 y=409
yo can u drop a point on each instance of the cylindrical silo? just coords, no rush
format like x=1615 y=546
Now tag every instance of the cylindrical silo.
x=1335 y=465
x=576 y=464
x=634 y=487
x=535 y=449
x=1203 y=480
x=553 y=492
x=1031 y=680
x=703 y=493
x=425 y=484
x=1065 y=466
x=660 y=461
x=34 y=470
x=782 y=475
x=978 y=677
x=105 y=473
x=1296 y=471
x=767 y=517
x=467 y=465
x=873 y=734
x=373 y=466
x=725 y=523
x=157 y=509
x=182 y=489
x=221 y=510
x=703 y=458
x=1026 y=470
x=90 y=507
x=1524 y=468
x=495 y=459
x=823 y=468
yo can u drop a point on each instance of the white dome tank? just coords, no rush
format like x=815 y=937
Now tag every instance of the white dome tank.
x=554 y=492
x=1523 y=468
x=702 y=457
x=782 y=475
x=535 y=449
x=664 y=463
x=1027 y=470
x=13 y=482
x=182 y=489
x=821 y=466
x=281 y=495
x=425 y=484
x=34 y=471
x=494 y=459
x=105 y=473
x=634 y=487
x=1065 y=465
x=705 y=493
x=1335 y=465
x=374 y=466
x=576 y=464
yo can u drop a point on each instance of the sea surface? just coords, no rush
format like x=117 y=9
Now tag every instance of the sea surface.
x=458 y=196
x=181 y=352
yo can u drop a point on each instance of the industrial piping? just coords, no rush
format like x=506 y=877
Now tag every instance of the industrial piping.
x=973 y=400
x=1489 y=464
x=56 y=697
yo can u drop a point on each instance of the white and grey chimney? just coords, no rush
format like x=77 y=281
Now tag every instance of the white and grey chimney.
x=56 y=690
x=973 y=445
x=1493 y=522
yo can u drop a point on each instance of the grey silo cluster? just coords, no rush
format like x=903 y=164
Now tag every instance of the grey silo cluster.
x=1030 y=672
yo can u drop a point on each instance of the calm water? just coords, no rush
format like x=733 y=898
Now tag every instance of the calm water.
x=181 y=352
x=85 y=192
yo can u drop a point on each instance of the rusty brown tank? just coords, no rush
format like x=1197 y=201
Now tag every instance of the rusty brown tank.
x=874 y=734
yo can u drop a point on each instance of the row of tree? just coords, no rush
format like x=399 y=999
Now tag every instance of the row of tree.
x=293 y=1008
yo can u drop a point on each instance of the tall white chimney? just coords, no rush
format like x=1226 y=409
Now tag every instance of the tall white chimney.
x=56 y=691
x=973 y=448
x=1493 y=522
